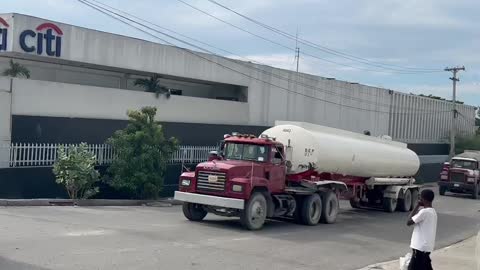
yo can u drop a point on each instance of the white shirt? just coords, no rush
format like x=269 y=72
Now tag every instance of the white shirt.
x=425 y=230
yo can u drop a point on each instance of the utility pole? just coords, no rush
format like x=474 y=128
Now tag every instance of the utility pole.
x=454 y=78
x=297 y=51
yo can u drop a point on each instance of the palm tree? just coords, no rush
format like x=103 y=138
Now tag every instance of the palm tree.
x=16 y=70
x=152 y=85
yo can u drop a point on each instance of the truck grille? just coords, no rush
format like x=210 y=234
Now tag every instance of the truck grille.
x=457 y=177
x=211 y=181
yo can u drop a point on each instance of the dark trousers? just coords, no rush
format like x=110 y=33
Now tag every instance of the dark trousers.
x=420 y=261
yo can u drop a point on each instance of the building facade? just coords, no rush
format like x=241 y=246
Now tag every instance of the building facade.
x=82 y=84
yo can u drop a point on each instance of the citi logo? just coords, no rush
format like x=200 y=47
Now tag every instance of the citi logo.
x=41 y=41
x=3 y=34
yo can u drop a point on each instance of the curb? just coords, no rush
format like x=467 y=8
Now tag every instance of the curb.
x=168 y=202
x=379 y=266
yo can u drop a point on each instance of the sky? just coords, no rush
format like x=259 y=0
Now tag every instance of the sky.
x=426 y=34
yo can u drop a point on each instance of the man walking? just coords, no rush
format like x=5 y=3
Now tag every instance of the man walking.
x=424 y=219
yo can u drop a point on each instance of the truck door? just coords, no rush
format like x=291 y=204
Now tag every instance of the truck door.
x=276 y=170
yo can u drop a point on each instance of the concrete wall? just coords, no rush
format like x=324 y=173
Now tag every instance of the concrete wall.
x=5 y=118
x=431 y=123
x=41 y=98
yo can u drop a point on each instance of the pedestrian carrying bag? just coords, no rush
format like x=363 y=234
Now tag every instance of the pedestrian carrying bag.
x=405 y=261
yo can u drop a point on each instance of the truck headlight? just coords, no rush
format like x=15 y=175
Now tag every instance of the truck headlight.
x=470 y=179
x=237 y=188
x=444 y=177
x=186 y=182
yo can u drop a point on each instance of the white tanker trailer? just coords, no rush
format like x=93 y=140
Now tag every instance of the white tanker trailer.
x=299 y=171
x=376 y=170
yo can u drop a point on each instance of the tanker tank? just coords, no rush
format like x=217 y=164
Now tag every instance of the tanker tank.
x=342 y=152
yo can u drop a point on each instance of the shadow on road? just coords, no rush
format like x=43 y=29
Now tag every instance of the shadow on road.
x=8 y=264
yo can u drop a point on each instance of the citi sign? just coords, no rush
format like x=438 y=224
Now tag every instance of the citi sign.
x=47 y=38
x=3 y=34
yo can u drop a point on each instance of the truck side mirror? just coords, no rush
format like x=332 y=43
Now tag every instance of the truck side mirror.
x=213 y=155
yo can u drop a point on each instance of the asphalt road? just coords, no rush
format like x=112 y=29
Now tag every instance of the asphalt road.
x=44 y=238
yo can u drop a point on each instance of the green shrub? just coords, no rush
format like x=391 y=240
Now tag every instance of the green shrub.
x=471 y=143
x=141 y=155
x=75 y=169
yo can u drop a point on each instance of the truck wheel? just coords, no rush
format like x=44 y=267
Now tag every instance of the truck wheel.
x=354 y=203
x=442 y=190
x=475 y=192
x=414 y=198
x=297 y=215
x=193 y=211
x=389 y=204
x=329 y=207
x=405 y=203
x=311 y=209
x=255 y=213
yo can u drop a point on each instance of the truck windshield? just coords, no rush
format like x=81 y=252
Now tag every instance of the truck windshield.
x=465 y=164
x=240 y=151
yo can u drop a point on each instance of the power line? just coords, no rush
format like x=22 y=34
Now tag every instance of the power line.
x=244 y=64
x=375 y=103
x=196 y=40
x=109 y=13
x=293 y=49
x=324 y=48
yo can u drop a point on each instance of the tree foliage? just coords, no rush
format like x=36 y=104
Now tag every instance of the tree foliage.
x=471 y=143
x=75 y=169
x=141 y=153
x=153 y=85
x=16 y=70
x=439 y=98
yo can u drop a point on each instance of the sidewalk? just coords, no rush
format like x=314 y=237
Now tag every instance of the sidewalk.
x=461 y=256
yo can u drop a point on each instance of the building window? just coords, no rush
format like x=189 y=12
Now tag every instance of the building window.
x=176 y=92
x=227 y=98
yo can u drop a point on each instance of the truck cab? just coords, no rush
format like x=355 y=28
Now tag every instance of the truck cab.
x=241 y=180
x=244 y=163
x=461 y=174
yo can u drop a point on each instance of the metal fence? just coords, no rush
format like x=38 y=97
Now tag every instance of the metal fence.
x=44 y=154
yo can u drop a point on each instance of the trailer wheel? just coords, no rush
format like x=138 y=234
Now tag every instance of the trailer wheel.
x=329 y=207
x=389 y=204
x=414 y=198
x=255 y=213
x=442 y=190
x=405 y=203
x=311 y=209
x=193 y=211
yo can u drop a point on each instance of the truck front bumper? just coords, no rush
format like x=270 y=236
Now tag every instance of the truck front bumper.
x=209 y=200
x=457 y=187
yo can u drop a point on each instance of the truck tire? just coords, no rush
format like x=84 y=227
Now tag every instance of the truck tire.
x=415 y=193
x=405 y=203
x=255 y=213
x=193 y=211
x=311 y=209
x=475 y=192
x=442 y=190
x=354 y=203
x=297 y=215
x=330 y=207
x=389 y=204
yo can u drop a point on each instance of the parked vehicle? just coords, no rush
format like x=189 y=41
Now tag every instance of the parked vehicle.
x=461 y=174
x=299 y=171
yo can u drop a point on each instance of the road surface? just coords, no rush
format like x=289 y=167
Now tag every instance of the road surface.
x=64 y=238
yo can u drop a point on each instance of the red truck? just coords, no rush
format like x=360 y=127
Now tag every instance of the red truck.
x=298 y=171
x=461 y=174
